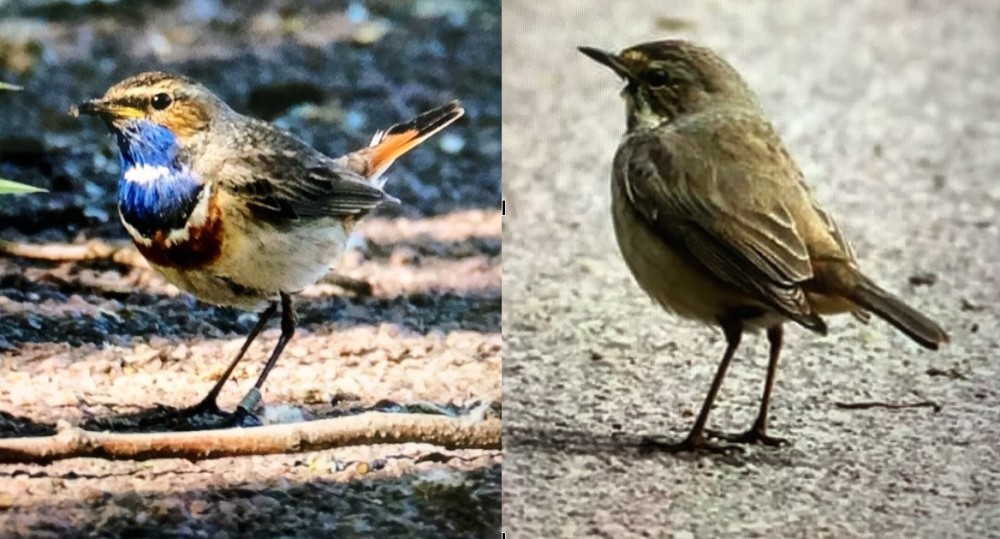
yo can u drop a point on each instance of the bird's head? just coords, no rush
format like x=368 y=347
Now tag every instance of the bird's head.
x=667 y=79
x=173 y=102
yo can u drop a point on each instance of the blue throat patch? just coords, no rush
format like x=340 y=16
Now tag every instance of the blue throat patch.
x=165 y=202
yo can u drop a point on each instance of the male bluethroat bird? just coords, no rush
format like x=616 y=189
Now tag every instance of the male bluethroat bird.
x=234 y=210
x=715 y=222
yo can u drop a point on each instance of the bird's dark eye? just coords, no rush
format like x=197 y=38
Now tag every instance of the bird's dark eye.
x=161 y=101
x=656 y=77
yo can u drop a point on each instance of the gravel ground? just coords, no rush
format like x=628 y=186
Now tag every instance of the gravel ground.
x=88 y=342
x=892 y=112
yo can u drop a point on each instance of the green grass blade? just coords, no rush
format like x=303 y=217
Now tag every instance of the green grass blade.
x=8 y=187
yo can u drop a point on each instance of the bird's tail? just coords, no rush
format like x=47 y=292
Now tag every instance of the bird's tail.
x=389 y=144
x=918 y=327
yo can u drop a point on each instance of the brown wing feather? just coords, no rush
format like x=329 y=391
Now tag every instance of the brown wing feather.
x=710 y=212
x=831 y=227
x=283 y=181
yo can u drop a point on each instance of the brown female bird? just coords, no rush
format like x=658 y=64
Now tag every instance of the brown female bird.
x=715 y=222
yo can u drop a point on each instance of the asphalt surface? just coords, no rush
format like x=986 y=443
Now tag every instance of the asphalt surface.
x=891 y=109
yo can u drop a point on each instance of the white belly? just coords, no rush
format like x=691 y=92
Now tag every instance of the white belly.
x=259 y=262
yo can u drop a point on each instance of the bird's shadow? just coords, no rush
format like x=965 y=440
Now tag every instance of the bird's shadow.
x=158 y=418
x=565 y=441
x=15 y=426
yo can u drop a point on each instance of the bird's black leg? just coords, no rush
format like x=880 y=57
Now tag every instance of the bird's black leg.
x=696 y=441
x=243 y=416
x=758 y=432
x=209 y=404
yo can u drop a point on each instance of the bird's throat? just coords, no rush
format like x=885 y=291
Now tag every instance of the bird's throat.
x=157 y=192
x=172 y=216
x=163 y=205
x=639 y=114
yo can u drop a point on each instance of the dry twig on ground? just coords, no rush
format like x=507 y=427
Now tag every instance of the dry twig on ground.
x=365 y=428
x=124 y=254
x=887 y=405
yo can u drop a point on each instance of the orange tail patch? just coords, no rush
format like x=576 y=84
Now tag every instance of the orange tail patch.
x=389 y=144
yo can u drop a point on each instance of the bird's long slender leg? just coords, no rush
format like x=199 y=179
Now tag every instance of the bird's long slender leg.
x=695 y=441
x=209 y=404
x=759 y=429
x=252 y=398
x=757 y=434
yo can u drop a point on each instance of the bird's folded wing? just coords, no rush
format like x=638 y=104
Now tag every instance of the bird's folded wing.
x=290 y=185
x=720 y=217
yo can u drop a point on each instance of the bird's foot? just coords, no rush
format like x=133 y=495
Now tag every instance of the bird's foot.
x=206 y=407
x=206 y=415
x=691 y=444
x=754 y=436
x=243 y=417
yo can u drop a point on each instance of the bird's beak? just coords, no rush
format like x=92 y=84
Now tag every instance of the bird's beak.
x=111 y=111
x=609 y=59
